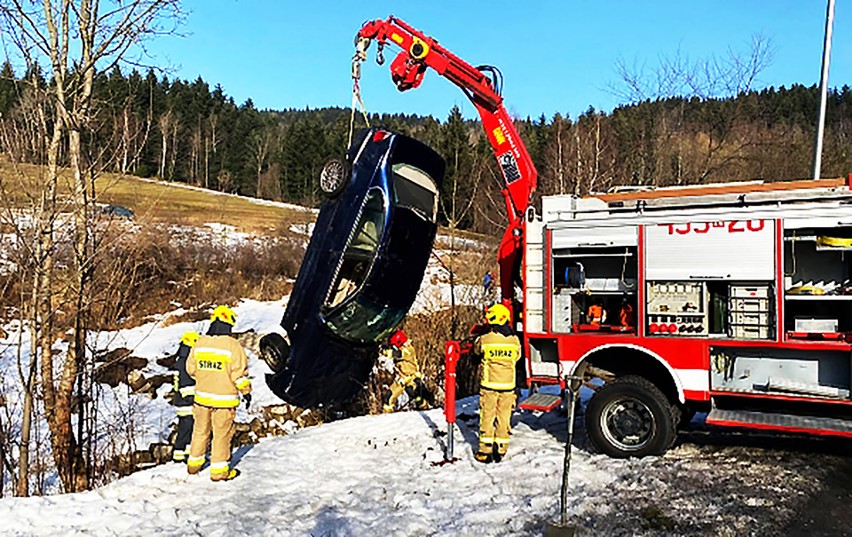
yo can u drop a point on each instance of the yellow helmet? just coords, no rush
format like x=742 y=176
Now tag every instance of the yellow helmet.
x=224 y=314
x=497 y=314
x=189 y=338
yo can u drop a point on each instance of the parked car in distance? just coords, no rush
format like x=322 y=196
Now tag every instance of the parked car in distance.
x=115 y=210
x=362 y=268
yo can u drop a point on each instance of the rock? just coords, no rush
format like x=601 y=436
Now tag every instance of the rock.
x=136 y=380
x=117 y=366
x=167 y=361
x=113 y=355
x=249 y=340
x=143 y=458
x=161 y=452
x=140 y=384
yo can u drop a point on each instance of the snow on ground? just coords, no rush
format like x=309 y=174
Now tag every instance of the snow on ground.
x=376 y=475
x=151 y=419
x=153 y=340
x=218 y=193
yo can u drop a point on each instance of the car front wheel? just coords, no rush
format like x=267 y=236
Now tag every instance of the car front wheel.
x=630 y=417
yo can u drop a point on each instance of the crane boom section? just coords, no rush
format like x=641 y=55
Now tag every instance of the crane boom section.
x=420 y=52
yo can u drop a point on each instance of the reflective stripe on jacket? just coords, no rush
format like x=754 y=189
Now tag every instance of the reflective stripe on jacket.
x=499 y=354
x=220 y=369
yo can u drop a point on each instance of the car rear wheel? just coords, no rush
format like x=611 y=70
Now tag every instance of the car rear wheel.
x=630 y=417
x=333 y=178
x=275 y=351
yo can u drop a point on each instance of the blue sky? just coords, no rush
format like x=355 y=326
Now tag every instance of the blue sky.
x=556 y=56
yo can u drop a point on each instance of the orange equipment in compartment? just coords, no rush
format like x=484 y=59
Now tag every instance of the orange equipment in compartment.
x=626 y=316
x=596 y=314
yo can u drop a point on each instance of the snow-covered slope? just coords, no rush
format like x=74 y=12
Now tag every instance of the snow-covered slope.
x=375 y=475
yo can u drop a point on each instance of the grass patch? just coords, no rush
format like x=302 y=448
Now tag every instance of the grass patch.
x=155 y=201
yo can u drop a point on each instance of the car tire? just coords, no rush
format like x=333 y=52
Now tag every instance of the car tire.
x=630 y=417
x=275 y=351
x=333 y=178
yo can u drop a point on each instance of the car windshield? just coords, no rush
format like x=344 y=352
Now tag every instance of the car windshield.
x=415 y=190
x=361 y=248
x=364 y=321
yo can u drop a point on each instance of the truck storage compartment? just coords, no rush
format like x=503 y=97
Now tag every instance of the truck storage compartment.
x=818 y=291
x=796 y=373
x=588 y=277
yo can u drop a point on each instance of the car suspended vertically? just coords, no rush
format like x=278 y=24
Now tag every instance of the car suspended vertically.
x=362 y=268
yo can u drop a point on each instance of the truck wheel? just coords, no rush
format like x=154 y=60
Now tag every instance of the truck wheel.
x=630 y=417
x=275 y=351
x=333 y=178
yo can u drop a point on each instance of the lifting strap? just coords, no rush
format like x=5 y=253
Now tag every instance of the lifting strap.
x=360 y=55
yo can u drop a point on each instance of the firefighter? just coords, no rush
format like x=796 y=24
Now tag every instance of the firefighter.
x=218 y=365
x=407 y=378
x=184 y=392
x=500 y=349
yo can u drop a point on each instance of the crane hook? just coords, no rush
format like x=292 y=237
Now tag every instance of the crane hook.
x=380 y=56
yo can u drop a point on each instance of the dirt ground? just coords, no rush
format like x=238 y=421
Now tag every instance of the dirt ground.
x=717 y=482
x=792 y=485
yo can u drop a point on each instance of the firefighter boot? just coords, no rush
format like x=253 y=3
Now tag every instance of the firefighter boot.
x=500 y=452
x=485 y=453
x=483 y=457
x=224 y=476
x=194 y=464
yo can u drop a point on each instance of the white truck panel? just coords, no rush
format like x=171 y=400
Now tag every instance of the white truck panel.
x=725 y=249
x=599 y=236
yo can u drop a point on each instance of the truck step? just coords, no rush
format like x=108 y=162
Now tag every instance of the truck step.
x=780 y=422
x=543 y=402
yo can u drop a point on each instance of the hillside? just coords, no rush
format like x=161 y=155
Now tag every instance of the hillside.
x=155 y=201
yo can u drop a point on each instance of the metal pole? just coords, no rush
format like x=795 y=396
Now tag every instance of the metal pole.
x=566 y=464
x=563 y=528
x=823 y=88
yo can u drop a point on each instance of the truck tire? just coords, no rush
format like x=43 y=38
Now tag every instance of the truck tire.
x=630 y=417
x=275 y=351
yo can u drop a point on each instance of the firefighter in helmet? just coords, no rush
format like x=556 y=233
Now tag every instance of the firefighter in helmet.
x=184 y=391
x=500 y=349
x=219 y=366
x=407 y=375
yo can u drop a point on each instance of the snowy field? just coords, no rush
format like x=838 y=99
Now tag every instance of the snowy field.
x=376 y=475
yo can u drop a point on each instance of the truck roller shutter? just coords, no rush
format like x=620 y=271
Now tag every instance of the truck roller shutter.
x=727 y=250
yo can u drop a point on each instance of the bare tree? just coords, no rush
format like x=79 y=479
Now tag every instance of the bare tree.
x=711 y=79
x=78 y=39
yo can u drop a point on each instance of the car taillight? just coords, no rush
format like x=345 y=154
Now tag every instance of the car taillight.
x=379 y=136
x=673 y=329
x=654 y=328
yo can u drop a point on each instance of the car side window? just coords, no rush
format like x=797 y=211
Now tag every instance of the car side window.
x=415 y=190
x=361 y=248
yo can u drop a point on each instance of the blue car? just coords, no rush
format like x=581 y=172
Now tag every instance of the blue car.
x=362 y=268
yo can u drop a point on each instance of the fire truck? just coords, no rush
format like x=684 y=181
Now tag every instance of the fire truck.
x=731 y=299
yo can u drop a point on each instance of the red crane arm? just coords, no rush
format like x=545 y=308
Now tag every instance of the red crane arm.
x=420 y=52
